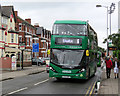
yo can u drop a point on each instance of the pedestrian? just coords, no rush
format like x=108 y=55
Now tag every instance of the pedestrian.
x=108 y=66
x=116 y=65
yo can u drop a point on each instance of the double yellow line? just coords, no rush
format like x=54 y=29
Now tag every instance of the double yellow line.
x=90 y=89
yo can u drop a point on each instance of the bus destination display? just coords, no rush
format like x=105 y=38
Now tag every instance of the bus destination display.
x=68 y=41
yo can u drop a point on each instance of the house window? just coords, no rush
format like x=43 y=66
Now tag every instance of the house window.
x=10 y=25
x=4 y=20
x=33 y=31
x=2 y=53
x=5 y=39
x=27 y=41
x=35 y=41
x=20 y=39
x=43 y=45
x=30 y=30
x=16 y=38
x=30 y=41
x=20 y=27
x=12 y=38
x=2 y=35
x=26 y=29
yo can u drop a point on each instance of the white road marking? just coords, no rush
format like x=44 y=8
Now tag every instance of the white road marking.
x=18 y=90
x=41 y=82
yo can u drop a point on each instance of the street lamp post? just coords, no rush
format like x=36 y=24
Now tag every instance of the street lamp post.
x=107 y=24
x=112 y=8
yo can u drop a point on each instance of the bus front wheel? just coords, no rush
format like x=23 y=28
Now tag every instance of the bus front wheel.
x=58 y=79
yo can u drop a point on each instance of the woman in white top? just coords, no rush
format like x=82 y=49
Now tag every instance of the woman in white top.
x=116 y=68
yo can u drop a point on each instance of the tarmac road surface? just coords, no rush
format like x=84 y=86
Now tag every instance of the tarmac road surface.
x=42 y=84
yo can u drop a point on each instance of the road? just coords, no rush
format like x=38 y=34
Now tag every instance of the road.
x=42 y=84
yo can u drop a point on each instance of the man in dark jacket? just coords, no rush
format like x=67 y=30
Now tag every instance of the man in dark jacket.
x=108 y=66
x=116 y=65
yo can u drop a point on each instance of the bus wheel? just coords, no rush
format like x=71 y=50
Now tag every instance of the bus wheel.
x=58 y=79
x=94 y=71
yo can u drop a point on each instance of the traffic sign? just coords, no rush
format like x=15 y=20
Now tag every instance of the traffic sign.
x=35 y=47
x=22 y=46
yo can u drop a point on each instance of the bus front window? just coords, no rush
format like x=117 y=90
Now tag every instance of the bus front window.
x=67 y=58
x=69 y=29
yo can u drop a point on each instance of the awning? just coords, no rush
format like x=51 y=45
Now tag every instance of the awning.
x=8 y=49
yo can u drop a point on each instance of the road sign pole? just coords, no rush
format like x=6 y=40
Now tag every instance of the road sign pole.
x=22 y=59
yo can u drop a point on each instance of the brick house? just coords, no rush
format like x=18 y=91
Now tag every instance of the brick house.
x=8 y=35
x=27 y=36
x=44 y=40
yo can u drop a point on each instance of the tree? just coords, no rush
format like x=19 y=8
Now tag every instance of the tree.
x=101 y=49
x=115 y=38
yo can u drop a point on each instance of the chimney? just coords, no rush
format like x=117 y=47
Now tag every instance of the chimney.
x=28 y=20
x=16 y=13
x=36 y=25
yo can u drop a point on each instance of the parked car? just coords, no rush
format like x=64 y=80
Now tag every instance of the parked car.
x=42 y=61
x=47 y=60
x=47 y=68
x=35 y=60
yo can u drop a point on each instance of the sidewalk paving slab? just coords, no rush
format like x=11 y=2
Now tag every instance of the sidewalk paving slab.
x=26 y=71
x=108 y=86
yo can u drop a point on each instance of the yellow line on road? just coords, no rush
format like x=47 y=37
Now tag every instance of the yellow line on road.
x=92 y=89
x=88 y=89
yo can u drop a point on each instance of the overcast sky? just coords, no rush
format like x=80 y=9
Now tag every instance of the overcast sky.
x=45 y=13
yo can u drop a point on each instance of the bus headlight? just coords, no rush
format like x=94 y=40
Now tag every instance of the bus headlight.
x=82 y=70
x=51 y=68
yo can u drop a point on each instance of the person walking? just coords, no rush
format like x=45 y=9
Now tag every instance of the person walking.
x=116 y=65
x=108 y=66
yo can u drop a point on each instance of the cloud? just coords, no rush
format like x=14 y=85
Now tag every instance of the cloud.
x=45 y=13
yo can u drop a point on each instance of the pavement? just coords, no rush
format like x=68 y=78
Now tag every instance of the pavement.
x=109 y=86
x=4 y=75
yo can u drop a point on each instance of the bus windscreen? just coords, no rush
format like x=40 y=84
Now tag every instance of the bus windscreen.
x=67 y=58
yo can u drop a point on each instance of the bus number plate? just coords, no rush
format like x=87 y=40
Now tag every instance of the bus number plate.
x=66 y=77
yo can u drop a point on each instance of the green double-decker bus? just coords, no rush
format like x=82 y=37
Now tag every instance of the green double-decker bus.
x=73 y=50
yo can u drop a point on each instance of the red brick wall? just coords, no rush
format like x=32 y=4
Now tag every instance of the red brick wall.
x=25 y=64
x=5 y=62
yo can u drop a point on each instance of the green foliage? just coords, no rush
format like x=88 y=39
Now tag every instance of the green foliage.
x=101 y=49
x=116 y=54
x=115 y=40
